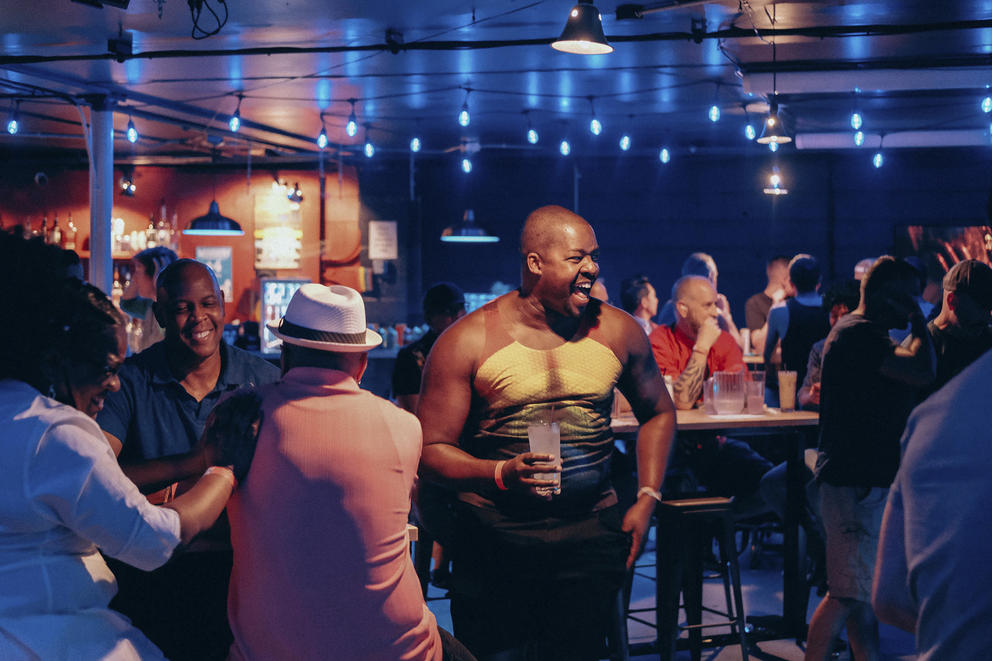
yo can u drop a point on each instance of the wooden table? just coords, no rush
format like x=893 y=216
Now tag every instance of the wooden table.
x=795 y=590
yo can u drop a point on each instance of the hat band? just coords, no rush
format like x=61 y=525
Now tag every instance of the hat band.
x=302 y=333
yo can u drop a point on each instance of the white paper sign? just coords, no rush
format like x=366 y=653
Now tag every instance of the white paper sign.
x=382 y=240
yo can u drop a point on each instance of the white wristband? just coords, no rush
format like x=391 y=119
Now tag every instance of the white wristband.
x=654 y=493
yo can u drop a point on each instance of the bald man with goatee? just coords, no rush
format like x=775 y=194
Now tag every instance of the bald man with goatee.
x=538 y=561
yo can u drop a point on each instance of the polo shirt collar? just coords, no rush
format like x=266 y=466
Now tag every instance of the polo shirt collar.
x=231 y=371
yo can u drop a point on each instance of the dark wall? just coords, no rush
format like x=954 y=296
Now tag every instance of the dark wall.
x=649 y=216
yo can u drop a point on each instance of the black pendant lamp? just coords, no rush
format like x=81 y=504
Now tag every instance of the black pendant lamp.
x=583 y=33
x=467 y=231
x=214 y=224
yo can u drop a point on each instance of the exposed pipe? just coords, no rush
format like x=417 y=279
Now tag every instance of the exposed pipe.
x=877 y=80
x=896 y=140
x=101 y=194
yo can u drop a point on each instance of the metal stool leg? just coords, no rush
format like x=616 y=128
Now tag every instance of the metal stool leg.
x=733 y=567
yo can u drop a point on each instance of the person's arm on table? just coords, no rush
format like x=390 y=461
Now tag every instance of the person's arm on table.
x=155 y=474
x=642 y=385
x=889 y=595
x=445 y=397
x=689 y=385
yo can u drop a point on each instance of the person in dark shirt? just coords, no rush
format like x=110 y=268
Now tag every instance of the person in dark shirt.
x=444 y=304
x=961 y=332
x=757 y=307
x=155 y=422
x=868 y=388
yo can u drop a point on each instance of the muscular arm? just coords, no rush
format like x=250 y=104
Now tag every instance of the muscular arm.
x=689 y=385
x=443 y=408
x=642 y=385
x=199 y=507
x=154 y=474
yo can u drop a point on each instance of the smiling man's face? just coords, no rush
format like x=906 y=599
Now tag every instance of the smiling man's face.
x=570 y=266
x=191 y=310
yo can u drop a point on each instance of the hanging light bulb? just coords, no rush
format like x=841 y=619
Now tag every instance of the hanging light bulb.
x=773 y=147
x=565 y=148
x=878 y=160
x=532 y=136
x=583 y=33
x=987 y=104
x=464 y=118
x=749 y=131
x=322 y=138
x=664 y=155
x=13 y=124
x=773 y=131
x=132 y=133
x=775 y=186
x=714 y=113
x=466 y=165
x=369 y=147
x=595 y=126
x=415 y=145
x=235 y=122
x=624 y=142
x=859 y=138
x=351 y=128
x=856 y=120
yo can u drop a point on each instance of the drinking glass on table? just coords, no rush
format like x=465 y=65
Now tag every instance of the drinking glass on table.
x=756 y=392
x=546 y=437
x=729 y=392
x=787 y=390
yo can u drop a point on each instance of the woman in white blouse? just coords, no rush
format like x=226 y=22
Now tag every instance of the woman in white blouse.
x=62 y=494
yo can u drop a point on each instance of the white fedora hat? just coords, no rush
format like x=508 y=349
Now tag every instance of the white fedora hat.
x=326 y=318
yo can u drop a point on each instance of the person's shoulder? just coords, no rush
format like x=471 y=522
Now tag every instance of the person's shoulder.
x=757 y=299
x=260 y=369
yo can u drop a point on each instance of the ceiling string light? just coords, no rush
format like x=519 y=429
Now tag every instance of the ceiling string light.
x=583 y=33
x=532 y=135
x=13 y=122
x=369 y=147
x=415 y=145
x=132 y=133
x=322 y=137
x=749 y=131
x=234 y=123
x=775 y=184
x=595 y=126
x=878 y=160
x=464 y=118
x=714 y=111
x=625 y=138
x=564 y=147
x=351 y=128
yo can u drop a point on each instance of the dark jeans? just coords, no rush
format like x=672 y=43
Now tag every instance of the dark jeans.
x=725 y=466
x=539 y=589
x=452 y=650
x=182 y=606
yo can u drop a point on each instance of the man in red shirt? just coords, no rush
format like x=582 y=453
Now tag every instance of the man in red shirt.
x=689 y=351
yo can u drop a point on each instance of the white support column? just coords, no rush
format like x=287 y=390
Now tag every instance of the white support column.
x=101 y=194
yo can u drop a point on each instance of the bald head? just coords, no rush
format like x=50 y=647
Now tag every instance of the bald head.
x=690 y=286
x=182 y=271
x=546 y=226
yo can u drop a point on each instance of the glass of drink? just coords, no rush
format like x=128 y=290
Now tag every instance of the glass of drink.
x=729 y=393
x=787 y=390
x=545 y=437
x=756 y=392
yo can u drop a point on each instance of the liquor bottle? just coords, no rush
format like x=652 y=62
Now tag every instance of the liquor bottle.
x=70 y=234
x=55 y=235
x=43 y=232
x=151 y=234
x=118 y=290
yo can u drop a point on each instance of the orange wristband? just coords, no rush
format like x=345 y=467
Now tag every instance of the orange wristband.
x=499 y=475
x=224 y=472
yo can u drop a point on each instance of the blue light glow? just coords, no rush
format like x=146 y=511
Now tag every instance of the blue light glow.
x=132 y=133
x=235 y=122
x=415 y=145
x=625 y=142
x=773 y=147
x=664 y=155
x=12 y=126
x=987 y=104
x=466 y=165
x=714 y=113
x=859 y=138
x=749 y=132
x=565 y=148
x=322 y=138
x=464 y=119
x=877 y=160
x=532 y=136
x=856 y=120
x=595 y=126
x=369 y=149
x=351 y=128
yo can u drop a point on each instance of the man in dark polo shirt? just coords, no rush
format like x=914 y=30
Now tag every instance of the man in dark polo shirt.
x=154 y=422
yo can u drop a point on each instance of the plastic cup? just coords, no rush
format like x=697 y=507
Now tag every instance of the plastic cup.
x=546 y=437
x=787 y=390
x=729 y=393
x=756 y=392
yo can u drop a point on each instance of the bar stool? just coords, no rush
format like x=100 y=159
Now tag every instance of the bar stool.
x=685 y=531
